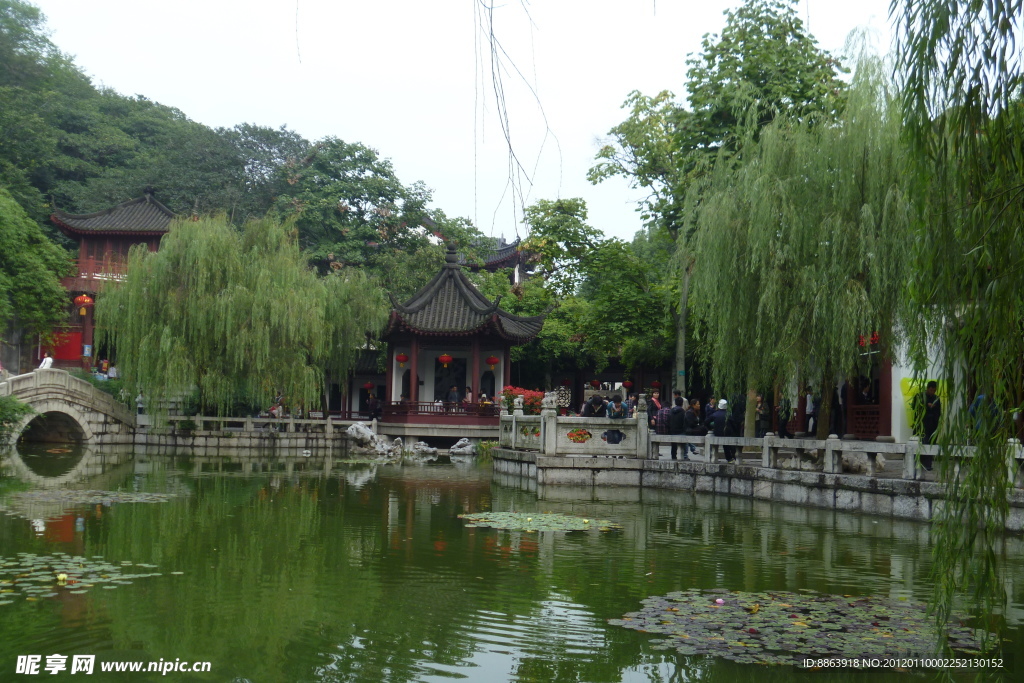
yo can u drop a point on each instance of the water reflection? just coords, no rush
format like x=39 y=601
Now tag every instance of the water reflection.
x=364 y=572
x=55 y=465
x=50 y=460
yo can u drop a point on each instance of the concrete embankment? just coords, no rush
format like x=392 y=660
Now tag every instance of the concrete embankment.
x=873 y=495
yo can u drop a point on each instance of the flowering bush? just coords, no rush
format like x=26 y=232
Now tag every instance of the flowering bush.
x=531 y=399
x=579 y=435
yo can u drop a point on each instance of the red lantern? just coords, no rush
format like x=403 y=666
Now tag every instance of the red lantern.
x=83 y=301
x=445 y=359
x=656 y=384
x=492 y=361
x=860 y=340
x=368 y=386
x=595 y=383
x=627 y=384
x=401 y=358
x=875 y=338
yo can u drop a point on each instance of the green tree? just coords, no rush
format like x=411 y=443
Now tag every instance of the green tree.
x=12 y=411
x=114 y=147
x=31 y=267
x=960 y=62
x=618 y=307
x=237 y=315
x=762 y=65
x=348 y=201
x=562 y=240
x=268 y=155
x=804 y=245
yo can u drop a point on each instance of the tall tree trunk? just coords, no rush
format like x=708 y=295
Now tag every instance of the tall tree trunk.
x=679 y=379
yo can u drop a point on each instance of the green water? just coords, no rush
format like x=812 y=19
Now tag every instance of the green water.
x=367 y=574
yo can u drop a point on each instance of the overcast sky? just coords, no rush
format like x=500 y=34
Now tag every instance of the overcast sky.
x=412 y=79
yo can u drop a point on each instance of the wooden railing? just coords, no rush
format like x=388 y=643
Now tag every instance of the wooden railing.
x=441 y=409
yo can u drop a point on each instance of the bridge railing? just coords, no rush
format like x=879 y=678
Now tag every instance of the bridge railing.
x=30 y=384
x=290 y=425
x=550 y=434
x=827 y=454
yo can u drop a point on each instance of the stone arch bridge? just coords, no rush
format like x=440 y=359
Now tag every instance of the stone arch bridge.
x=68 y=409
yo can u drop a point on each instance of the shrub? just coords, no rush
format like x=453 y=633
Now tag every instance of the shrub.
x=531 y=399
x=114 y=387
x=485 y=451
x=12 y=411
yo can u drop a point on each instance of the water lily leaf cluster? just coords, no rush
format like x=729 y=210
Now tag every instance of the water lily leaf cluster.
x=21 y=503
x=787 y=627
x=33 y=577
x=90 y=497
x=537 y=521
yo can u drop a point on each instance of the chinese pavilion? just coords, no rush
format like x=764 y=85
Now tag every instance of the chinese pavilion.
x=449 y=334
x=103 y=238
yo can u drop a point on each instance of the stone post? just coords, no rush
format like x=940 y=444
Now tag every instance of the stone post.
x=910 y=451
x=1012 y=452
x=643 y=432
x=767 y=443
x=517 y=411
x=549 y=423
x=833 y=455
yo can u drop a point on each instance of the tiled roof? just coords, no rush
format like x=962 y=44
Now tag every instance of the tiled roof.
x=144 y=215
x=451 y=305
x=503 y=251
x=501 y=255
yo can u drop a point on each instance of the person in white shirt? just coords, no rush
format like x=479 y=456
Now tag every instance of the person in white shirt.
x=47 y=361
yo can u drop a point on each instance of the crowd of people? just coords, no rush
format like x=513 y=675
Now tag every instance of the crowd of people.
x=723 y=417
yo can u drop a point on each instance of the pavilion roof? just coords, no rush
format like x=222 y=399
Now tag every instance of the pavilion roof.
x=501 y=255
x=142 y=216
x=450 y=305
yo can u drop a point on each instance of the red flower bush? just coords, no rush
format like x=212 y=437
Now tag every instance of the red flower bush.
x=531 y=399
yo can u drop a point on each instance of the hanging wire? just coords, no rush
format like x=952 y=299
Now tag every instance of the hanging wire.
x=519 y=180
x=298 y=52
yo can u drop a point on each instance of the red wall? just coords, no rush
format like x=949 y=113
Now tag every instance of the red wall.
x=68 y=346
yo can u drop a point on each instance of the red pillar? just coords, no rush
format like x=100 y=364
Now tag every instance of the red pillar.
x=87 y=335
x=414 y=372
x=506 y=367
x=475 y=383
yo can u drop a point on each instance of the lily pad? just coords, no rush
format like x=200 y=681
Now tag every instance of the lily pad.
x=33 y=576
x=786 y=628
x=537 y=521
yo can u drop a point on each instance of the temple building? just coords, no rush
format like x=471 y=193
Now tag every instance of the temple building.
x=504 y=254
x=104 y=239
x=450 y=335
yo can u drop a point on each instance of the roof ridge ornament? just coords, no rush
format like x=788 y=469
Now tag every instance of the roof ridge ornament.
x=451 y=257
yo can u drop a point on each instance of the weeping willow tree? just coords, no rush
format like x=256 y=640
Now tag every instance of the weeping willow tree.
x=803 y=245
x=961 y=64
x=236 y=315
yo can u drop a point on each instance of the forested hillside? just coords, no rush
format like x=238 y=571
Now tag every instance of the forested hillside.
x=65 y=143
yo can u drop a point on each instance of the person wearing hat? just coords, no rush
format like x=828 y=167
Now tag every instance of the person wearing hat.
x=719 y=426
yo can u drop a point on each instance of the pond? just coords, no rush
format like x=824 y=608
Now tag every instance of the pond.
x=300 y=570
